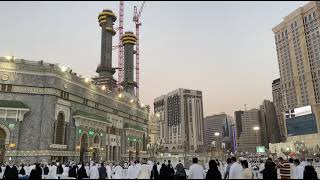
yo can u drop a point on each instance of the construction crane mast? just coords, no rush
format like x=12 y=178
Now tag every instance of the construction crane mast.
x=120 y=46
x=136 y=19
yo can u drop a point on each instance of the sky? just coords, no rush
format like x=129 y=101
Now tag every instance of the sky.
x=224 y=49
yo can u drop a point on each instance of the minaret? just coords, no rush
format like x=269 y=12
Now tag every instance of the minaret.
x=106 y=19
x=128 y=41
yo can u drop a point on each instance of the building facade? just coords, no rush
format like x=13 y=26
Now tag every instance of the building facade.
x=49 y=113
x=270 y=121
x=249 y=138
x=222 y=124
x=277 y=101
x=154 y=130
x=181 y=120
x=297 y=40
x=237 y=116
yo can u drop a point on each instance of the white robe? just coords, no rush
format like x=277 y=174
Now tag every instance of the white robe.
x=236 y=171
x=158 y=168
x=137 y=169
x=150 y=166
x=26 y=168
x=94 y=172
x=109 y=171
x=292 y=170
x=87 y=168
x=144 y=172
x=117 y=171
x=196 y=172
x=131 y=172
x=298 y=172
x=53 y=170
x=65 y=171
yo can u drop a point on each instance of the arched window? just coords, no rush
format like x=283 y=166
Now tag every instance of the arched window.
x=166 y=149
x=96 y=139
x=59 y=134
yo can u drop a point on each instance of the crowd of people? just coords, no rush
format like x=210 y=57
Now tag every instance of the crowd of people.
x=214 y=169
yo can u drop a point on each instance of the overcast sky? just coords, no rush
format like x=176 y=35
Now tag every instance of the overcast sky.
x=224 y=49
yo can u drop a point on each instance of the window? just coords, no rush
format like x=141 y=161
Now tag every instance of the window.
x=96 y=139
x=85 y=101
x=64 y=95
x=6 y=87
x=59 y=131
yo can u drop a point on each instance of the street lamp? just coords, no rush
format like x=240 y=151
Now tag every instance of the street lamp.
x=256 y=129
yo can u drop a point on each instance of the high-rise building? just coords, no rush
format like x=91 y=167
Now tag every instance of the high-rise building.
x=270 y=122
x=181 y=120
x=250 y=136
x=217 y=129
x=297 y=40
x=238 y=119
x=277 y=101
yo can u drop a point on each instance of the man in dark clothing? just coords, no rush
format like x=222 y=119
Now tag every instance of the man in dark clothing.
x=82 y=173
x=22 y=171
x=73 y=171
x=36 y=173
x=163 y=172
x=170 y=170
x=59 y=169
x=154 y=172
x=7 y=171
x=213 y=172
x=45 y=170
x=102 y=172
x=13 y=173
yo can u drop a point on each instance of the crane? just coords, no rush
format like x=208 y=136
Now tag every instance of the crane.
x=136 y=19
x=120 y=46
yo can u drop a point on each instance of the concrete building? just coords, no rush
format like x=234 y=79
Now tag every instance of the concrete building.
x=181 y=120
x=297 y=40
x=249 y=138
x=238 y=115
x=219 y=123
x=270 y=122
x=49 y=113
x=277 y=101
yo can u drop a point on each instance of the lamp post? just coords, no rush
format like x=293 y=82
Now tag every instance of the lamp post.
x=215 y=143
x=256 y=129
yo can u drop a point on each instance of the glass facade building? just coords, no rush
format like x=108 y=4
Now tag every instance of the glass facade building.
x=302 y=125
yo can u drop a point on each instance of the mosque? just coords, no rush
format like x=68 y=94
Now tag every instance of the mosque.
x=49 y=113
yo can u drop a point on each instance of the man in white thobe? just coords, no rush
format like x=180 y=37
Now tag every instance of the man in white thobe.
x=125 y=170
x=236 y=170
x=137 y=168
x=109 y=170
x=117 y=171
x=196 y=171
x=87 y=168
x=144 y=172
x=150 y=165
x=158 y=167
x=52 y=170
x=131 y=171
x=94 y=172
x=299 y=169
